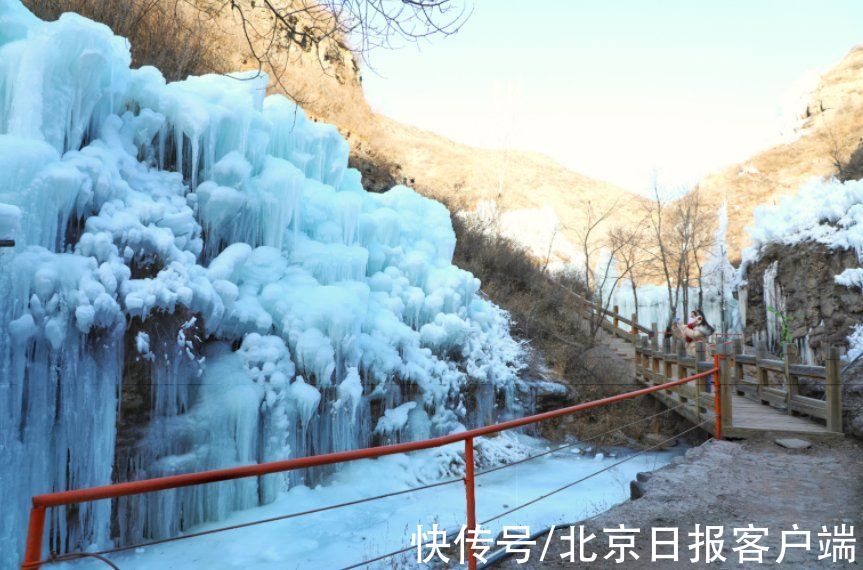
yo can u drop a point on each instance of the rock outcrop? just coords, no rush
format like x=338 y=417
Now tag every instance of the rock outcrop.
x=800 y=283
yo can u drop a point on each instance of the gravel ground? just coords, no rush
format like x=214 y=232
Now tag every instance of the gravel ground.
x=732 y=484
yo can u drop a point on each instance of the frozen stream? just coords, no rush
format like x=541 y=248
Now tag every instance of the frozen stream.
x=342 y=537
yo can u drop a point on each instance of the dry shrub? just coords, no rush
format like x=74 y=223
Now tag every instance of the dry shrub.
x=163 y=33
x=546 y=314
x=543 y=310
x=852 y=169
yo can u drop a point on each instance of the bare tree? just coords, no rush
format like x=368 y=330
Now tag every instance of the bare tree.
x=372 y=23
x=550 y=249
x=273 y=27
x=692 y=239
x=598 y=281
x=681 y=244
x=681 y=234
x=838 y=148
x=629 y=243
x=656 y=214
x=590 y=241
x=847 y=160
x=537 y=297
x=702 y=238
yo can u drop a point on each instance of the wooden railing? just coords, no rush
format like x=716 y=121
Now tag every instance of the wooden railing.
x=762 y=377
x=588 y=309
x=777 y=382
x=657 y=361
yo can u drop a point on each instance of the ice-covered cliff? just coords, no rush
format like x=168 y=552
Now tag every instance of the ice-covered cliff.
x=806 y=263
x=200 y=281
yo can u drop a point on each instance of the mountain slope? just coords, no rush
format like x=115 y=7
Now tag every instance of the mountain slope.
x=325 y=77
x=831 y=129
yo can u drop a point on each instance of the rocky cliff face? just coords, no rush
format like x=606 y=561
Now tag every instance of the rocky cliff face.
x=799 y=281
x=852 y=397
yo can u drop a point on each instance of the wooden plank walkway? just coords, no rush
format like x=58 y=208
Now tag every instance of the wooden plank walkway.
x=767 y=408
x=749 y=416
x=754 y=416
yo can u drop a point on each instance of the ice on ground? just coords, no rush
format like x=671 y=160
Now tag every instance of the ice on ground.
x=334 y=539
x=199 y=280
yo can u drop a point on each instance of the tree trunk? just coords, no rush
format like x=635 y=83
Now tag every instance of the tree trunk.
x=686 y=290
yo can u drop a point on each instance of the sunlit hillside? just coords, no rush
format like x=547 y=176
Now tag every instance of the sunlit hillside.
x=831 y=129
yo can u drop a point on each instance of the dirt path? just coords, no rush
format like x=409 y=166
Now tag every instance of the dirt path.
x=733 y=484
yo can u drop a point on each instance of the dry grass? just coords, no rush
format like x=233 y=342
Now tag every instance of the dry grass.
x=852 y=168
x=161 y=33
x=546 y=314
x=535 y=298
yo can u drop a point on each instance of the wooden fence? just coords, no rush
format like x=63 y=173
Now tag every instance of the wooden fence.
x=746 y=371
x=761 y=377
x=777 y=382
x=656 y=362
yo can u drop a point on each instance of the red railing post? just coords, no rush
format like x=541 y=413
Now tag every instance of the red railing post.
x=717 y=401
x=471 y=500
x=35 y=531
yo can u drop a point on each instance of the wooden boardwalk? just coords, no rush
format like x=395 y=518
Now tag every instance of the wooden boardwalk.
x=761 y=393
x=753 y=416
x=747 y=416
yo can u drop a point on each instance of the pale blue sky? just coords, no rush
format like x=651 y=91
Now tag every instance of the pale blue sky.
x=615 y=89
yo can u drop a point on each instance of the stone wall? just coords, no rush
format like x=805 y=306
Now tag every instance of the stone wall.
x=819 y=312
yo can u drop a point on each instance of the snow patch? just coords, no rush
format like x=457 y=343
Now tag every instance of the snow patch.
x=828 y=212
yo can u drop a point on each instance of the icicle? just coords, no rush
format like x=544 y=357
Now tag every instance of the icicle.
x=201 y=210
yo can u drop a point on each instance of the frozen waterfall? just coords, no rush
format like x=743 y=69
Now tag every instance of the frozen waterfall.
x=200 y=281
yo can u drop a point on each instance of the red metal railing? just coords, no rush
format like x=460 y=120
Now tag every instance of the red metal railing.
x=33 y=549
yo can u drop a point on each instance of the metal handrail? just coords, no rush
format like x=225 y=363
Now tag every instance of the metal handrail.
x=36 y=527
